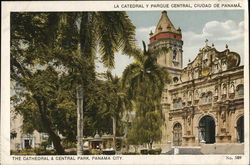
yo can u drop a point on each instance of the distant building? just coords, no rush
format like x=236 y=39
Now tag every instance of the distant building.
x=204 y=102
x=20 y=140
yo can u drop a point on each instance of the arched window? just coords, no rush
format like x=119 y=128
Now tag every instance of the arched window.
x=174 y=55
x=175 y=79
x=232 y=88
x=240 y=90
x=190 y=96
x=216 y=92
x=224 y=90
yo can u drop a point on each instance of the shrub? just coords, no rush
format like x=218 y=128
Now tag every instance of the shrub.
x=158 y=150
x=144 y=151
x=86 y=152
x=130 y=153
x=41 y=151
x=71 y=153
x=24 y=152
x=67 y=144
x=109 y=152
x=154 y=151
x=95 y=152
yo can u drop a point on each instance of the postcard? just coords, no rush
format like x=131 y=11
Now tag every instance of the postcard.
x=125 y=82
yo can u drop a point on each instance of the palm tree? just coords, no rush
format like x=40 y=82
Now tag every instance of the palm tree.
x=145 y=80
x=145 y=71
x=117 y=103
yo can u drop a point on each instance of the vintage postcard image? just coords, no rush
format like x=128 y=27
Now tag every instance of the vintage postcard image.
x=125 y=82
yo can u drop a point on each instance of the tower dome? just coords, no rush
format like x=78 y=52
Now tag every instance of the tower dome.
x=165 y=29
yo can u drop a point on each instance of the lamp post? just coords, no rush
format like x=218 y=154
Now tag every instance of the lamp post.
x=79 y=95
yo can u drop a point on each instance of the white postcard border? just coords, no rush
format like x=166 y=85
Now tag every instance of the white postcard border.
x=108 y=6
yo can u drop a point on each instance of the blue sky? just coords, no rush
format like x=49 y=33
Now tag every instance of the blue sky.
x=220 y=27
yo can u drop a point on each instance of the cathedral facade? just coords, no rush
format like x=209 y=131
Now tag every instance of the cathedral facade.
x=204 y=103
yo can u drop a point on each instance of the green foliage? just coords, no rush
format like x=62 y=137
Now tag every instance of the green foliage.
x=67 y=144
x=53 y=53
x=145 y=80
x=86 y=152
x=130 y=153
x=156 y=151
x=42 y=151
x=24 y=152
x=95 y=152
x=144 y=151
x=112 y=152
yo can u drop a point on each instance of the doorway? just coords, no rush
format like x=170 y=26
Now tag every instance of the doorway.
x=177 y=134
x=240 y=129
x=207 y=129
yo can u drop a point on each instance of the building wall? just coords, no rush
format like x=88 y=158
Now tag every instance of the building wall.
x=17 y=143
x=215 y=94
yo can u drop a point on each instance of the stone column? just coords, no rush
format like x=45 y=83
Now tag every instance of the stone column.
x=79 y=96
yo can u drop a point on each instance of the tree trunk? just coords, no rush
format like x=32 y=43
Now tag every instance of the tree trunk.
x=55 y=139
x=150 y=145
x=114 y=132
x=135 y=146
x=47 y=125
x=79 y=120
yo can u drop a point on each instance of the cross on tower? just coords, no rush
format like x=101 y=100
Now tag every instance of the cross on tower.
x=206 y=41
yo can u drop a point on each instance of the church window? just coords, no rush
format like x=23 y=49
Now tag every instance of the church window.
x=174 y=55
x=216 y=92
x=190 y=96
x=240 y=90
x=224 y=90
x=175 y=79
x=232 y=88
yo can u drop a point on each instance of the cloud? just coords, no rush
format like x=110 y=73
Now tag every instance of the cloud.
x=219 y=33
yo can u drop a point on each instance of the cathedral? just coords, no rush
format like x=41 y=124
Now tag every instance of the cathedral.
x=204 y=102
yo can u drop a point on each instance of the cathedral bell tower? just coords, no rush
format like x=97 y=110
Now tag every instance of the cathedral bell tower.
x=166 y=35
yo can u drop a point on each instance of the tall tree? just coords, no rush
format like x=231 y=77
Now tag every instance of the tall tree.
x=68 y=42
x=117 y=102
x=38 y=73
x=145 y=81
